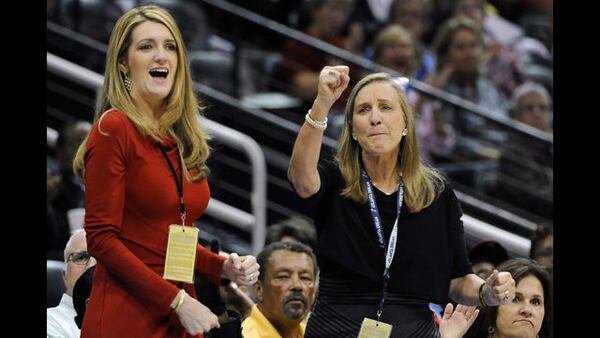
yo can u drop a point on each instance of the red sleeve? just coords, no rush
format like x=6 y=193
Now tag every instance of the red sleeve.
x=105 y=168
x=209 y=264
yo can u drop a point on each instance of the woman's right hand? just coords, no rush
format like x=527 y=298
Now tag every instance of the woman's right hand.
x=333 y=80
x=195 y=317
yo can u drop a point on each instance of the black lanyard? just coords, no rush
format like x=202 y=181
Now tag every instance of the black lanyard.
x=391 y=247
x=178 y=182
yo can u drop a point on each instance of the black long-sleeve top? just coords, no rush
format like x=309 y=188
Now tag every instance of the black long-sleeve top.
x=430 y=247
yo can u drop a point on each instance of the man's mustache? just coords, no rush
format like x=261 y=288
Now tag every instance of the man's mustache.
x=296 y=297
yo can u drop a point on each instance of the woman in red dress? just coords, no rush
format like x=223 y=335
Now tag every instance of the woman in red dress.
x=144 y=167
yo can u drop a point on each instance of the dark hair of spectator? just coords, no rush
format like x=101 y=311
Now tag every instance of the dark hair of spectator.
x=265 y=255
x=296 y=227
x=488 y=251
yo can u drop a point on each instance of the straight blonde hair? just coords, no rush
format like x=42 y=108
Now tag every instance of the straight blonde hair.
x=422 y=183
x=182 y=109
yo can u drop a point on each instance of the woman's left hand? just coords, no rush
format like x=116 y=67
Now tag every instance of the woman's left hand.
x=456 y=323
x=241 y=270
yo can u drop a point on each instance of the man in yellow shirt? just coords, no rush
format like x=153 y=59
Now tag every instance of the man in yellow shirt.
x=285 y=291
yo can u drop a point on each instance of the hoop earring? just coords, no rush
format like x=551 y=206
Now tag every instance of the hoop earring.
x=127 y=82
x=491 y=331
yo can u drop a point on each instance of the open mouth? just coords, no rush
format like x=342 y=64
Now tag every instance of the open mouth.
x=159 y=73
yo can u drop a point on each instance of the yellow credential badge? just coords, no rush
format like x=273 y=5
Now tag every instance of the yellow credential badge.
x=373 y=329
x=181 y=253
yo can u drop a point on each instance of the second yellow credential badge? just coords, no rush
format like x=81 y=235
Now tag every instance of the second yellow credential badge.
x=373 y=329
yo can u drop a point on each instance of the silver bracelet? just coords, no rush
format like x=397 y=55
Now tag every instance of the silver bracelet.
x=321 y=125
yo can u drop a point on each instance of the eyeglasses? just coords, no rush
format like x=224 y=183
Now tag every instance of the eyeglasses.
x=79 y=258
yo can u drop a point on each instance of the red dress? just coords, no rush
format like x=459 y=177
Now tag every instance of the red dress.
x=131 y=199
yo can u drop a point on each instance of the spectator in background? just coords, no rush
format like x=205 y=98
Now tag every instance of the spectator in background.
x=71 y=191
x=534 y=39
x=145 y=170
x=538 y=22
x=395 y=48
x=415 y=16
x=93 y=18
x=61 y=319
x=472 y=144
x=486 y=256
x=530 y=315
x=357 y=204
x=525 y=172
x=56 y=221
x=502 y=65
x=372 y=15
x=293 y=229
x=531 y=104
x=514 y=10
x=301 y=63
x=285 y=291
x=542 y=246
x=285 y=12
x=64 y=190
x=459 y=51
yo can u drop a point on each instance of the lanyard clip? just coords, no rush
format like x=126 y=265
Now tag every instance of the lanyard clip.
x=183 y=220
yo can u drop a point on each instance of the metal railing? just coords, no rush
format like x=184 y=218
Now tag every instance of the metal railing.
x=255 y=222
x=516 y=245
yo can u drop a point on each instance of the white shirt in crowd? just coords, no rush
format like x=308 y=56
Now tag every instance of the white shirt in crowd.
x=61 y=319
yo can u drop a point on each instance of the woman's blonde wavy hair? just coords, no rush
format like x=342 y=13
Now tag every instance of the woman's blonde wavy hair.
x=422 y=183
x=182 y=109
